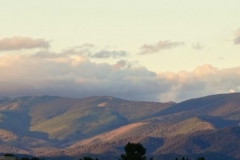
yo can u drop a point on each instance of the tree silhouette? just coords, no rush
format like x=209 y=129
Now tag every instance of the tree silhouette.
x=201 y=158
x=9 y=155
x=183 y=158
x=134 y=151
x=87 y=158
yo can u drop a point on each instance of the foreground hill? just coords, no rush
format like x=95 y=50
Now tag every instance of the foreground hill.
x=66 y=127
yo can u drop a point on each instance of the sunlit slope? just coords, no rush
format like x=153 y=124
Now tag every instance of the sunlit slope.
x=58 y=126
x=71 y=119
x=222 y=105
x=95 y=115
x=141 y=132
x=225 y=141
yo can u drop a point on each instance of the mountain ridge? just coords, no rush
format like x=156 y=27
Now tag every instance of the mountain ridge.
x=101 y=125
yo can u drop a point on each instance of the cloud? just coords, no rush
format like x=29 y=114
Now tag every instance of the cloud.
x=198 y=46
x=109 y=54
x=237 y=39
x=18 y=43
x=76 y=76
x=73 y=76
x=204 y=80
x=89 y=52
x=161 y=45
x=123 y=64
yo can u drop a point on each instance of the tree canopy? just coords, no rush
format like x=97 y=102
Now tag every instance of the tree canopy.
x=9 y=155
x=88 y=158
x=134 y=151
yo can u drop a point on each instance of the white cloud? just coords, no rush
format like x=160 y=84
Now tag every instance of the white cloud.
x=17 y=43
x=74 y=75
x=204 y=80
x=161 y=45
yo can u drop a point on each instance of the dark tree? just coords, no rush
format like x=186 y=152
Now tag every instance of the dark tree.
x=176 y=158
x=87 y=158
x=183 y=158
x=134 y=151
x=9 y=155
x=201 y=158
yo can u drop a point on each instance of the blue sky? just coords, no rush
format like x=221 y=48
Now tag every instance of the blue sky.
x=157 y=50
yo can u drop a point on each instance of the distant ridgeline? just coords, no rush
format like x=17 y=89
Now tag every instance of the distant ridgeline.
x=100 y=127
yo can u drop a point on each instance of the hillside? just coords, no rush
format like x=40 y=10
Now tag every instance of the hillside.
x=60 y=126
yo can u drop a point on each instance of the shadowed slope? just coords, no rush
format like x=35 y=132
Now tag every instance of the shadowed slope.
x=57 y=126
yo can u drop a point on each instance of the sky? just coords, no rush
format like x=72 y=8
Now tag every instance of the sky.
x=157 y=50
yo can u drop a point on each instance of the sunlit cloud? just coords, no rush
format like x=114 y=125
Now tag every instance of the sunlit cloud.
x=18 y=43
x=77 y=76
x=74 y=76
x=161 y=45
x=204 y=80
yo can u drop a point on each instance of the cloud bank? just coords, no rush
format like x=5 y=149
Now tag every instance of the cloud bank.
x=73 y=75
x=161 y=45
x=18 y=43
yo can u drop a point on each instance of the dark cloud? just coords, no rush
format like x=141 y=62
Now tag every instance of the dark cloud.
x=123 y=64
x=89 y=52
x=18 y=43
x=84 y=50
x=109 y=54
x=161 y=45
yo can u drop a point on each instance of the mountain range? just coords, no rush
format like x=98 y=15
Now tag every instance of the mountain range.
x=60 y=127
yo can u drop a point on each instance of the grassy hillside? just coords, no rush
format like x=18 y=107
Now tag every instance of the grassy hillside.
x=68 y=119
x=58 y=126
